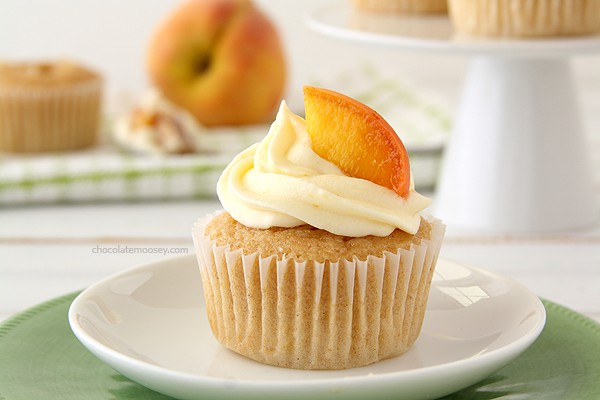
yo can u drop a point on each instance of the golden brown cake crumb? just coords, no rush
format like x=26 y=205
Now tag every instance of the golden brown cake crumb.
x=40 y=74
x=306 y=242
x=402 y=6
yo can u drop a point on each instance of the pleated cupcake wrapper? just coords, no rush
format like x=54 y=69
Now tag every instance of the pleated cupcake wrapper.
x=316 y=315
x=47 y=119
x=526 y=17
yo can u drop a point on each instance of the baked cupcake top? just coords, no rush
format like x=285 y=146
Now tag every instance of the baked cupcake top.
x=283 y=182
x=44 y=74
x=306 y=242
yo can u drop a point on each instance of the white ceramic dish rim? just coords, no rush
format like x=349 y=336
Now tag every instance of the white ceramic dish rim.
x=509 y=351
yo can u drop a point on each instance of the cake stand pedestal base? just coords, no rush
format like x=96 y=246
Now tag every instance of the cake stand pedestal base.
x=517 y=159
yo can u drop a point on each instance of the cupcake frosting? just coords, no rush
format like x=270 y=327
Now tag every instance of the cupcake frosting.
x=282 y=182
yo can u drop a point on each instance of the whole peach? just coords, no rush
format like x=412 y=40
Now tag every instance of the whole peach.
x=222 y=60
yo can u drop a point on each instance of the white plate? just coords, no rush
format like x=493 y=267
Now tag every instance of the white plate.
x=149 y=324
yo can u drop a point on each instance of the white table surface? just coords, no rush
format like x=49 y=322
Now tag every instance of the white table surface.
x=47 y=251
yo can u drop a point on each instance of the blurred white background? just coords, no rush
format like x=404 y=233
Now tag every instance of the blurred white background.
x=112 y=36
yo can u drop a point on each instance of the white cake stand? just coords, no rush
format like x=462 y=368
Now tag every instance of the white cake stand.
x=516 y=160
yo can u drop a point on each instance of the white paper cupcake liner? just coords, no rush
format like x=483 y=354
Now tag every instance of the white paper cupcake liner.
x=49 y=118
x=316 y=315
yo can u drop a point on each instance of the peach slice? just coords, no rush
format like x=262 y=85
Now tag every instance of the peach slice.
x=356 y=139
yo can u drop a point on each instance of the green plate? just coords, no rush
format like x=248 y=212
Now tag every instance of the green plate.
x=41 y=359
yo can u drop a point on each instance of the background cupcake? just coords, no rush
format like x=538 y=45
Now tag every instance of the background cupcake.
x=402 y=6
x=48 y=106
x=312 y=267
x=525 y=18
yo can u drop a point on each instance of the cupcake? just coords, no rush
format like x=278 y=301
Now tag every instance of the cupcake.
x=402 y=6
x=525 y=18
x=48 y=106
x=321 y=259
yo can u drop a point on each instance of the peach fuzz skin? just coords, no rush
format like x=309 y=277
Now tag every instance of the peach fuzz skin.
x=356 y=139
x=222 y=60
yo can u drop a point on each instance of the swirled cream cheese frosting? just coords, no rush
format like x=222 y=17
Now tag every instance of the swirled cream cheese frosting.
x=282 y=182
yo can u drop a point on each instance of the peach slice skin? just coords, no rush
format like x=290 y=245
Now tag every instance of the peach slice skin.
x=356 y=139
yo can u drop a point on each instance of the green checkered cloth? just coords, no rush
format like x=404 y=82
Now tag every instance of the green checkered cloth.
x=108 y=174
